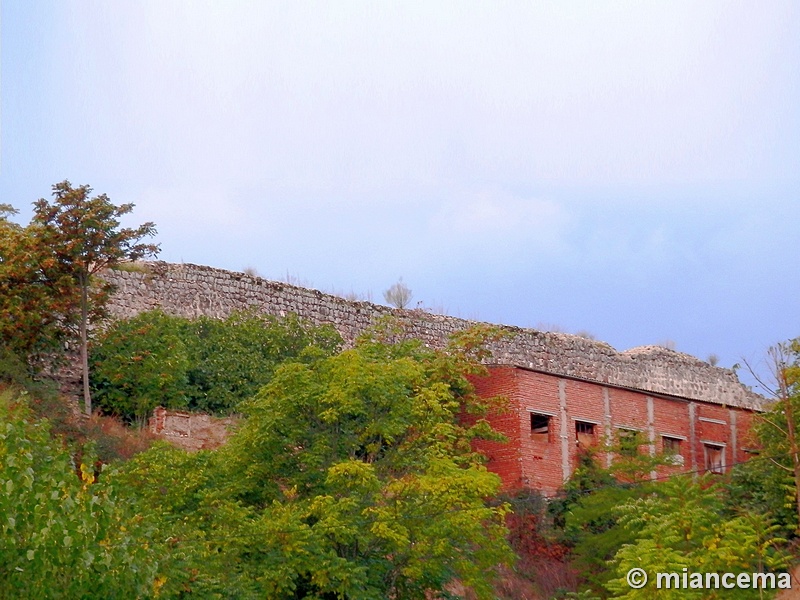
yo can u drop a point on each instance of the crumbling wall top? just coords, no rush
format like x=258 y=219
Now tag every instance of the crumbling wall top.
x=192 y=290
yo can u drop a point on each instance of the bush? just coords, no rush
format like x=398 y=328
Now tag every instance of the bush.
x=141 y=363
x=63 y=534
x=232 y=359
x=207 y=365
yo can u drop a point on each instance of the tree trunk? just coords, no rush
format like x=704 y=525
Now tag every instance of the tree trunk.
x=87 y=398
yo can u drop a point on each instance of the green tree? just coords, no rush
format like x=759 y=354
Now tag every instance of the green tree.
x=140 y=363
x=63 y=534
x=83 y=234
x=587 y=509
x=778 y=429
x=231 y=359
x=34 y=293
x=684 y=524
x=206 y=364
x=351 y=477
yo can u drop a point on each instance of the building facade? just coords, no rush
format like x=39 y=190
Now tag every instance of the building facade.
x=565 y=391
x=551 y=417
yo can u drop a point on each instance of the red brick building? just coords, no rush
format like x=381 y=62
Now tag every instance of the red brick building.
x=551 y=416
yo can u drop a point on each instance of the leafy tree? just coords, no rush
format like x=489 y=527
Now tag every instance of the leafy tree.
x=140 y=363
x=683 y=524
x=84 y=236
x=352 y=477
x=398 y=295
x=762 y=487
x=231 y=359
x=204 y=364
x=64 y=533
x=590 y=525
x=34 y=294
x=587 y=509
x=778 y=429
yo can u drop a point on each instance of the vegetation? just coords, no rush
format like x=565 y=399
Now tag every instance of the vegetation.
x=84 y=237
x=398 y=295
x=684 y=524
x=63 y=531
x=352 y=477
x=206 y=364
x=47 y=286
x=616 y=518
x=779 y=428
x=352 y=474
x=35 y=296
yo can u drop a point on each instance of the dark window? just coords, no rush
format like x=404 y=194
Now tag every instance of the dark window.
x=715 y=458
x=540 y=427
x=629 y=442
x=584 y=433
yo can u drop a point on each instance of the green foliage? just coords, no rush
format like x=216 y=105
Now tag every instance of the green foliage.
x=683 y=523
x=35 y=295
x=351 y=477
x=15 y=372
x=231 y=359
x=207 y=364
x=585 y=511
x=82 y=237
x=762 y=487
x=64 y=534
x=778 y=433
x=139 y=364
x=593 y=527
x=588 y=508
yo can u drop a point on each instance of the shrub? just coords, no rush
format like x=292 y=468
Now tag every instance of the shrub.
x=208 y=365
x=63 y=534
x=141 y=363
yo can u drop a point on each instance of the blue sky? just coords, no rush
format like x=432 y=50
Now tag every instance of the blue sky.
x=626 y=169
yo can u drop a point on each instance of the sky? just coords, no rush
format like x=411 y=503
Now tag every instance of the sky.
x=626 y=169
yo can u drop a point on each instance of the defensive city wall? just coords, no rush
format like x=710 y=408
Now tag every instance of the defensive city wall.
x=191 y=290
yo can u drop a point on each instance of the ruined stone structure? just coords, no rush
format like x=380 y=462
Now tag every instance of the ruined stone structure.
x=563 y=383
x=190 y=431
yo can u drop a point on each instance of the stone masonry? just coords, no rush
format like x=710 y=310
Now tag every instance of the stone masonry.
x=191 y=290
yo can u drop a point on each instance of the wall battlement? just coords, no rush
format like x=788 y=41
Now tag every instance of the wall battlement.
x=191 y=291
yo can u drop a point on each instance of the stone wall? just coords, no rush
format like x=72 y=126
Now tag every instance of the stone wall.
x=191 y=431
x=191 y=290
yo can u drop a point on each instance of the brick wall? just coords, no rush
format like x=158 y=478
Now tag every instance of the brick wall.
x=580 y=412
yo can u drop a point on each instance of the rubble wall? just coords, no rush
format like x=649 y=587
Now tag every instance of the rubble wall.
x=192 y=290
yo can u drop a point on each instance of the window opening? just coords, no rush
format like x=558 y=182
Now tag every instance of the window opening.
x=584 y=433
x=715 y=458
x=540 y=427
x=672 y=449
x=671 y=445
x=628 y=441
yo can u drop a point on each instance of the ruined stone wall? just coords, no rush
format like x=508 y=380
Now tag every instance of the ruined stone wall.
x=192 y=290
x=191 y=431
